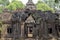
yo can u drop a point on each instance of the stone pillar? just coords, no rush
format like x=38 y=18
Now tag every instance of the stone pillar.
x=54 y=30
x=45 y=36
x=34 y=31
x=38 y=32
x=22 y=31
x=4 y=31
x=16 y=31
x=41 y=30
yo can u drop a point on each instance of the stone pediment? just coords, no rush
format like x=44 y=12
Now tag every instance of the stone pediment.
x=30 y=19
x=6 y=16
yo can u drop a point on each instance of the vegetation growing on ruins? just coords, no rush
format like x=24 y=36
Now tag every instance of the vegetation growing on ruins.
x=43 y=6
x=1 y=9
x=14 y=4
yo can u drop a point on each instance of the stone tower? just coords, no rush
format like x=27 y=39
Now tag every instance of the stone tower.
x=30 y=5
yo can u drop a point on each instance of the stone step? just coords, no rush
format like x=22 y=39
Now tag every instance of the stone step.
x=31 y=39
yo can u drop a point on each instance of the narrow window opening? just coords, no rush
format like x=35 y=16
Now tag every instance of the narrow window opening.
x=59 y=28
x=9 y=30
x=49 y=30
x=30 y=30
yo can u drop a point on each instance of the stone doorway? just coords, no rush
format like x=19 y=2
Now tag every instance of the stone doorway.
x=28 y=30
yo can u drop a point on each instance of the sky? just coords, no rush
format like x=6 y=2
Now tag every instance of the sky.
x=25 y=1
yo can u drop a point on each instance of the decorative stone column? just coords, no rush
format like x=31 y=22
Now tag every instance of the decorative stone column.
x=45 y=36
x=4 y=31
x=16 y=31
x=22 y=30
x=38 y=32
x=54 y=30
x=41 y=30
x=34 y=31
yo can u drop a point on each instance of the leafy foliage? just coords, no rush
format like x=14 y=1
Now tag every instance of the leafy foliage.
x=14 y=5
x=4 y=2
x=14 y=0
x=56 y=1
x=44 y=7
x=18 y=4
x=1 y=9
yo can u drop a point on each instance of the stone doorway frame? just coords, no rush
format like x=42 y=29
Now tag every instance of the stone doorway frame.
x=26 y=29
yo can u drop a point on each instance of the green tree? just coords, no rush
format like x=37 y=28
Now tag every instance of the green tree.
x=1 y=9
x=56 y=1
x=14 y=0
x=43 y=6
x=14 y=5
x=4 y=2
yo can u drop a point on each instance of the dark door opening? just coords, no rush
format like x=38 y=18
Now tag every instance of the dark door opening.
x=28 y=30
x=50 y=30
x=9 y=30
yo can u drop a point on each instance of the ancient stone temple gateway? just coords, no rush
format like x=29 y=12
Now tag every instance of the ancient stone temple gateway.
x=30 y=24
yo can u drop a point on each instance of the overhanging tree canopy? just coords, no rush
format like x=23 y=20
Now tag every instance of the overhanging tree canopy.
x=4 y=2
x=14 y=5
x=44 y=7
